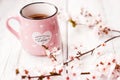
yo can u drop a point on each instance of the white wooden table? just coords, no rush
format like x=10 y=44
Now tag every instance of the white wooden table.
x=12 y=55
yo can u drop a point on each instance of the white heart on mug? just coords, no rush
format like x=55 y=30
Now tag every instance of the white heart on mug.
x=41 y=38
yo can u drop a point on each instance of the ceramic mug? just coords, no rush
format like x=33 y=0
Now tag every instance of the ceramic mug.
x=39 y=28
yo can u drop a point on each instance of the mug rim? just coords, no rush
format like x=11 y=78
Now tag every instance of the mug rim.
x=38 y=3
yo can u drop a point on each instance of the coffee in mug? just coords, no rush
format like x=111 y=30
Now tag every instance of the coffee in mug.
x=38 y=16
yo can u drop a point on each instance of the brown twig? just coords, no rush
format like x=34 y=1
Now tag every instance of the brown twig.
x=115 y=31
x=84 y=73
x=51 y=54
x=92 y=50
x=41 y=76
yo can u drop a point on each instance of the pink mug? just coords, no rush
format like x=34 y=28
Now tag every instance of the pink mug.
x=39 y=28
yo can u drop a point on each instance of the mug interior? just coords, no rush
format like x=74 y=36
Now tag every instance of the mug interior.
x=39 y=8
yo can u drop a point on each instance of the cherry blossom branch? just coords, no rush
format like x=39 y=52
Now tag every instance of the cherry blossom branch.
x=40 y=77
x=79 y=54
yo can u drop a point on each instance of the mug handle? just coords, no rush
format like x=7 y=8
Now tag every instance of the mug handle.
x=10 y=28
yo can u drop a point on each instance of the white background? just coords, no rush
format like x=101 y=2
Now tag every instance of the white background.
x=11 y=50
